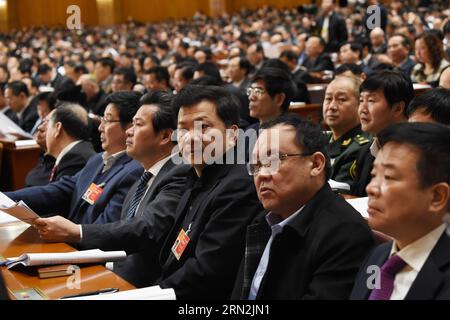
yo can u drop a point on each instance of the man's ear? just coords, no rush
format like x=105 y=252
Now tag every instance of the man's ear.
x=166 y=136
x=58 y=129
x=399 y=109
x=279 y=99
x=440 y=196
x=318 y=164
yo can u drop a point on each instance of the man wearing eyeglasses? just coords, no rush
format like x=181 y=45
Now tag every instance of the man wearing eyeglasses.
x=96 y=193
x=312 y=242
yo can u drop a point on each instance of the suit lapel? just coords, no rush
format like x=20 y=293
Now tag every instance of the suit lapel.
x=257 y=237
x=431 y=277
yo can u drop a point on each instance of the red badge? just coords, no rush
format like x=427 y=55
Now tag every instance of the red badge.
x=93 y=193
x=180 y=244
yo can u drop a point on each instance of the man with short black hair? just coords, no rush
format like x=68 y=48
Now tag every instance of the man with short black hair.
x=124 y=79
x=157 y=79
x=431 y=106
x=202 y=252
x=409 y=198
x=310 y=242
x=104 y=69
x=17 y=98
x=238 y=70
x=398 y=50
x=384 y=98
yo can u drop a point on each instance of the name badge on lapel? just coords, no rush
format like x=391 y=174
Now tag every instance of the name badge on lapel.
x=180 y=244
x=93 y=193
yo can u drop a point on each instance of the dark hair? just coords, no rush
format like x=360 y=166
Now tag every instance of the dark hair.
x=33 y=82
x=207 y=52
x=75 y=122
x=107 y=63
x=48 y=97
x=5 y=68
x=396 y=86
x=277 y=81
x=164 y=118
x=309 y=136
x=126 y=103
x=446 y=28
x=435 y=102
x=245 y=64
x=210 y=69
x=435 y=48
x=161 y=74
x=354 y=46
x=80 y=68
x=43 y=69
x=188 y=70
x=352 y=67
x=227 y=106
x=290 y=55
x=433 y=142
x=18 y=87
x=128 y=75
x=25 y=66
x=206 y=81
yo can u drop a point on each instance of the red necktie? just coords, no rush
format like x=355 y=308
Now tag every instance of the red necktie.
x=53 y=174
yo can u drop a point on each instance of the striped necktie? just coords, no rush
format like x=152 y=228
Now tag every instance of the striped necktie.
x=140 y=191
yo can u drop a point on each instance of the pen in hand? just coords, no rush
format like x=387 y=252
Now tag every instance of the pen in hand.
x=92 y=293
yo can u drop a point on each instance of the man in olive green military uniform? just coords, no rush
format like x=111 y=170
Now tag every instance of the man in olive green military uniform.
x=340 y=113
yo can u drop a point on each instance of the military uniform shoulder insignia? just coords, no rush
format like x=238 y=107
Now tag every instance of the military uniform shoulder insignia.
x=361 y=140
x=346 y=143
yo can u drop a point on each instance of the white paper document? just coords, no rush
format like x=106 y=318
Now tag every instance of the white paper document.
x=77 y=257
x=19 y=211
x=361 y=205
x=151 y=293
x=336 y=186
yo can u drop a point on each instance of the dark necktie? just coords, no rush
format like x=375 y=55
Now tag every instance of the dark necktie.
x=388 y=271
x=53 y=174
x=140 y=191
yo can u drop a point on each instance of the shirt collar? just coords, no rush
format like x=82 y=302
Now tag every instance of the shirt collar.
x=106 y=157
x=156 y=168
x=416 y=253
x=375 y=147
x=65 y=151
x=273 y=219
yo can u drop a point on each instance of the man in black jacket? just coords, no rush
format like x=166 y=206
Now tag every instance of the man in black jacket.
x=17 y=98
x=331 y=27
x=3 y=294
x=311 y=243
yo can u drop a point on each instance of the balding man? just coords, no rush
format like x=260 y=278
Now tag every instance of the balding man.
x=378 y=41
x=340 y=113
x=316 y=61
x=398 y=50
x=95 y=95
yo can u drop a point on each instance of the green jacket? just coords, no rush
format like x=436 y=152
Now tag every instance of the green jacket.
x=345 y=151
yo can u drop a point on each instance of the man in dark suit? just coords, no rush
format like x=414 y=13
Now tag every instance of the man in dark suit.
x=409 y=200
x=202 y=252
x=398 y=50
x=96 y=193
x=66 y=134
x=316 y=61
x=238 y=70
x=3 y=293
x=17 y=96
x=331 y=27
x=384 y=98
x=149 y=208
x=311 y=243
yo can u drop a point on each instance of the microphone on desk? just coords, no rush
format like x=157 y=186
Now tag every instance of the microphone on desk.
x=92 y=293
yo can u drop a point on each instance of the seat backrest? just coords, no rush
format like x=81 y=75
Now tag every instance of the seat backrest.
x=312 y=112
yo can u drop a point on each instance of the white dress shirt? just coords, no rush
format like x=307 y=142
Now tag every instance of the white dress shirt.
x=415 y=255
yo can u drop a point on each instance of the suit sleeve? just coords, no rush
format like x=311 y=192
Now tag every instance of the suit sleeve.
x=338 y=260
x=220 y=247
x=144 y=232
x=51 y=199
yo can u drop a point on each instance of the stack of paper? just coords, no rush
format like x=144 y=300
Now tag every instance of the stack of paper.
x=339 y=186
x=77 y=257
x=15 y=211
x=11 y=130
x=152 y=293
